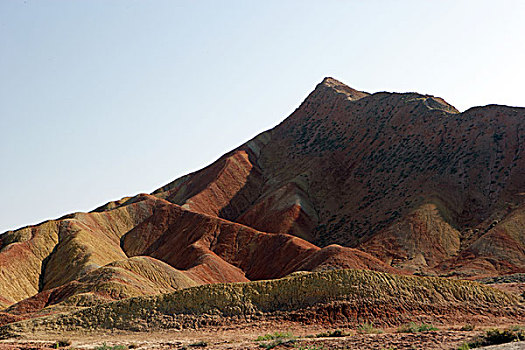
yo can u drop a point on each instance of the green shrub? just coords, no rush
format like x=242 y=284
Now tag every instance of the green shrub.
x=335 y=333
x=468 y=327
x=273 y=336
x=62 y=343
x=200 y=344
x=276 y=339
x=416 y=328
x=498 y=336
x=114 y=347
x=464 y=346
x=277 y=342
x=495 y=337
x=368 y=328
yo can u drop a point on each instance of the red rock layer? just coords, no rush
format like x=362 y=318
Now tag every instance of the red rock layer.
x=355 y=169
x=385 y=181
x=147 y=246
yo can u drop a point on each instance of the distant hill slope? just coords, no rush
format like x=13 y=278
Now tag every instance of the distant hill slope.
x=399 y=183
x=147 y=246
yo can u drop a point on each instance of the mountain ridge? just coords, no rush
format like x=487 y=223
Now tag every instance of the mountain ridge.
x=394 y=182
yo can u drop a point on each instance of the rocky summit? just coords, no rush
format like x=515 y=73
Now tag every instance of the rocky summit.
x=397 y=183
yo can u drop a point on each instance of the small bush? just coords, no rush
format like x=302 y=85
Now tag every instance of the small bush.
x=62 y=343
x=498 y=336
x=415 y=328
x=464 y=346
x=276 y=342
x=368 y=328
x=336 y=333
x=276 y=339
x=468 y=327
x=199 y=344
x=114 y=347
x=273 y=336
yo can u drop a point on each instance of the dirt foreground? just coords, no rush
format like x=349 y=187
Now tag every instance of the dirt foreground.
x=295 y=337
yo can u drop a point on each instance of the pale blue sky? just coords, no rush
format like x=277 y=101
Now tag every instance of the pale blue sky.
x=103 y=99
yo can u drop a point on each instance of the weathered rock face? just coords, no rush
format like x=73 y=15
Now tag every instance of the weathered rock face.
x=418 y=241
x=389 y=182
x=48 y=255
x=148 y=246
x=403 y=176
x=22 y=255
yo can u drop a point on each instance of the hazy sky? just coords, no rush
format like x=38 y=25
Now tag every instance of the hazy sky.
x=103 y=99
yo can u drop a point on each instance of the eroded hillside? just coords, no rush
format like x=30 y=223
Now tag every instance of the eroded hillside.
x=391 y=182
x=405 y=177
x=341 y=296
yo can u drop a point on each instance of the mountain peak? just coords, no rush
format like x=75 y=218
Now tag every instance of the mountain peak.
x=331 y=81
x=340 y=87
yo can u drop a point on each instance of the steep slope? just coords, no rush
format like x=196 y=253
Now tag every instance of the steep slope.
x=212 y=190
x=393 y=182
x=217 y=250
x=121 y=279
x=22 y=256
x=419 y=240
x=45 y=256
x=498 y=249
x=362 y=170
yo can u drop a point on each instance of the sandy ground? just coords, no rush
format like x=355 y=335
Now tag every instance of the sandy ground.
x=305 y=338
x=511 y=346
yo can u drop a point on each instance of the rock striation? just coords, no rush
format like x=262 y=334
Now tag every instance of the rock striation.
x=401 y=183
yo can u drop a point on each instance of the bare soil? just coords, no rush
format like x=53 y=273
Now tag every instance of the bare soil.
x=245 y=337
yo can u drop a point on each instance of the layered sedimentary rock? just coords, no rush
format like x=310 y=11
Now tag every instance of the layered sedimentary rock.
x=405 y=177
x=342 y=296
x=148 y=246
x=393 y=182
